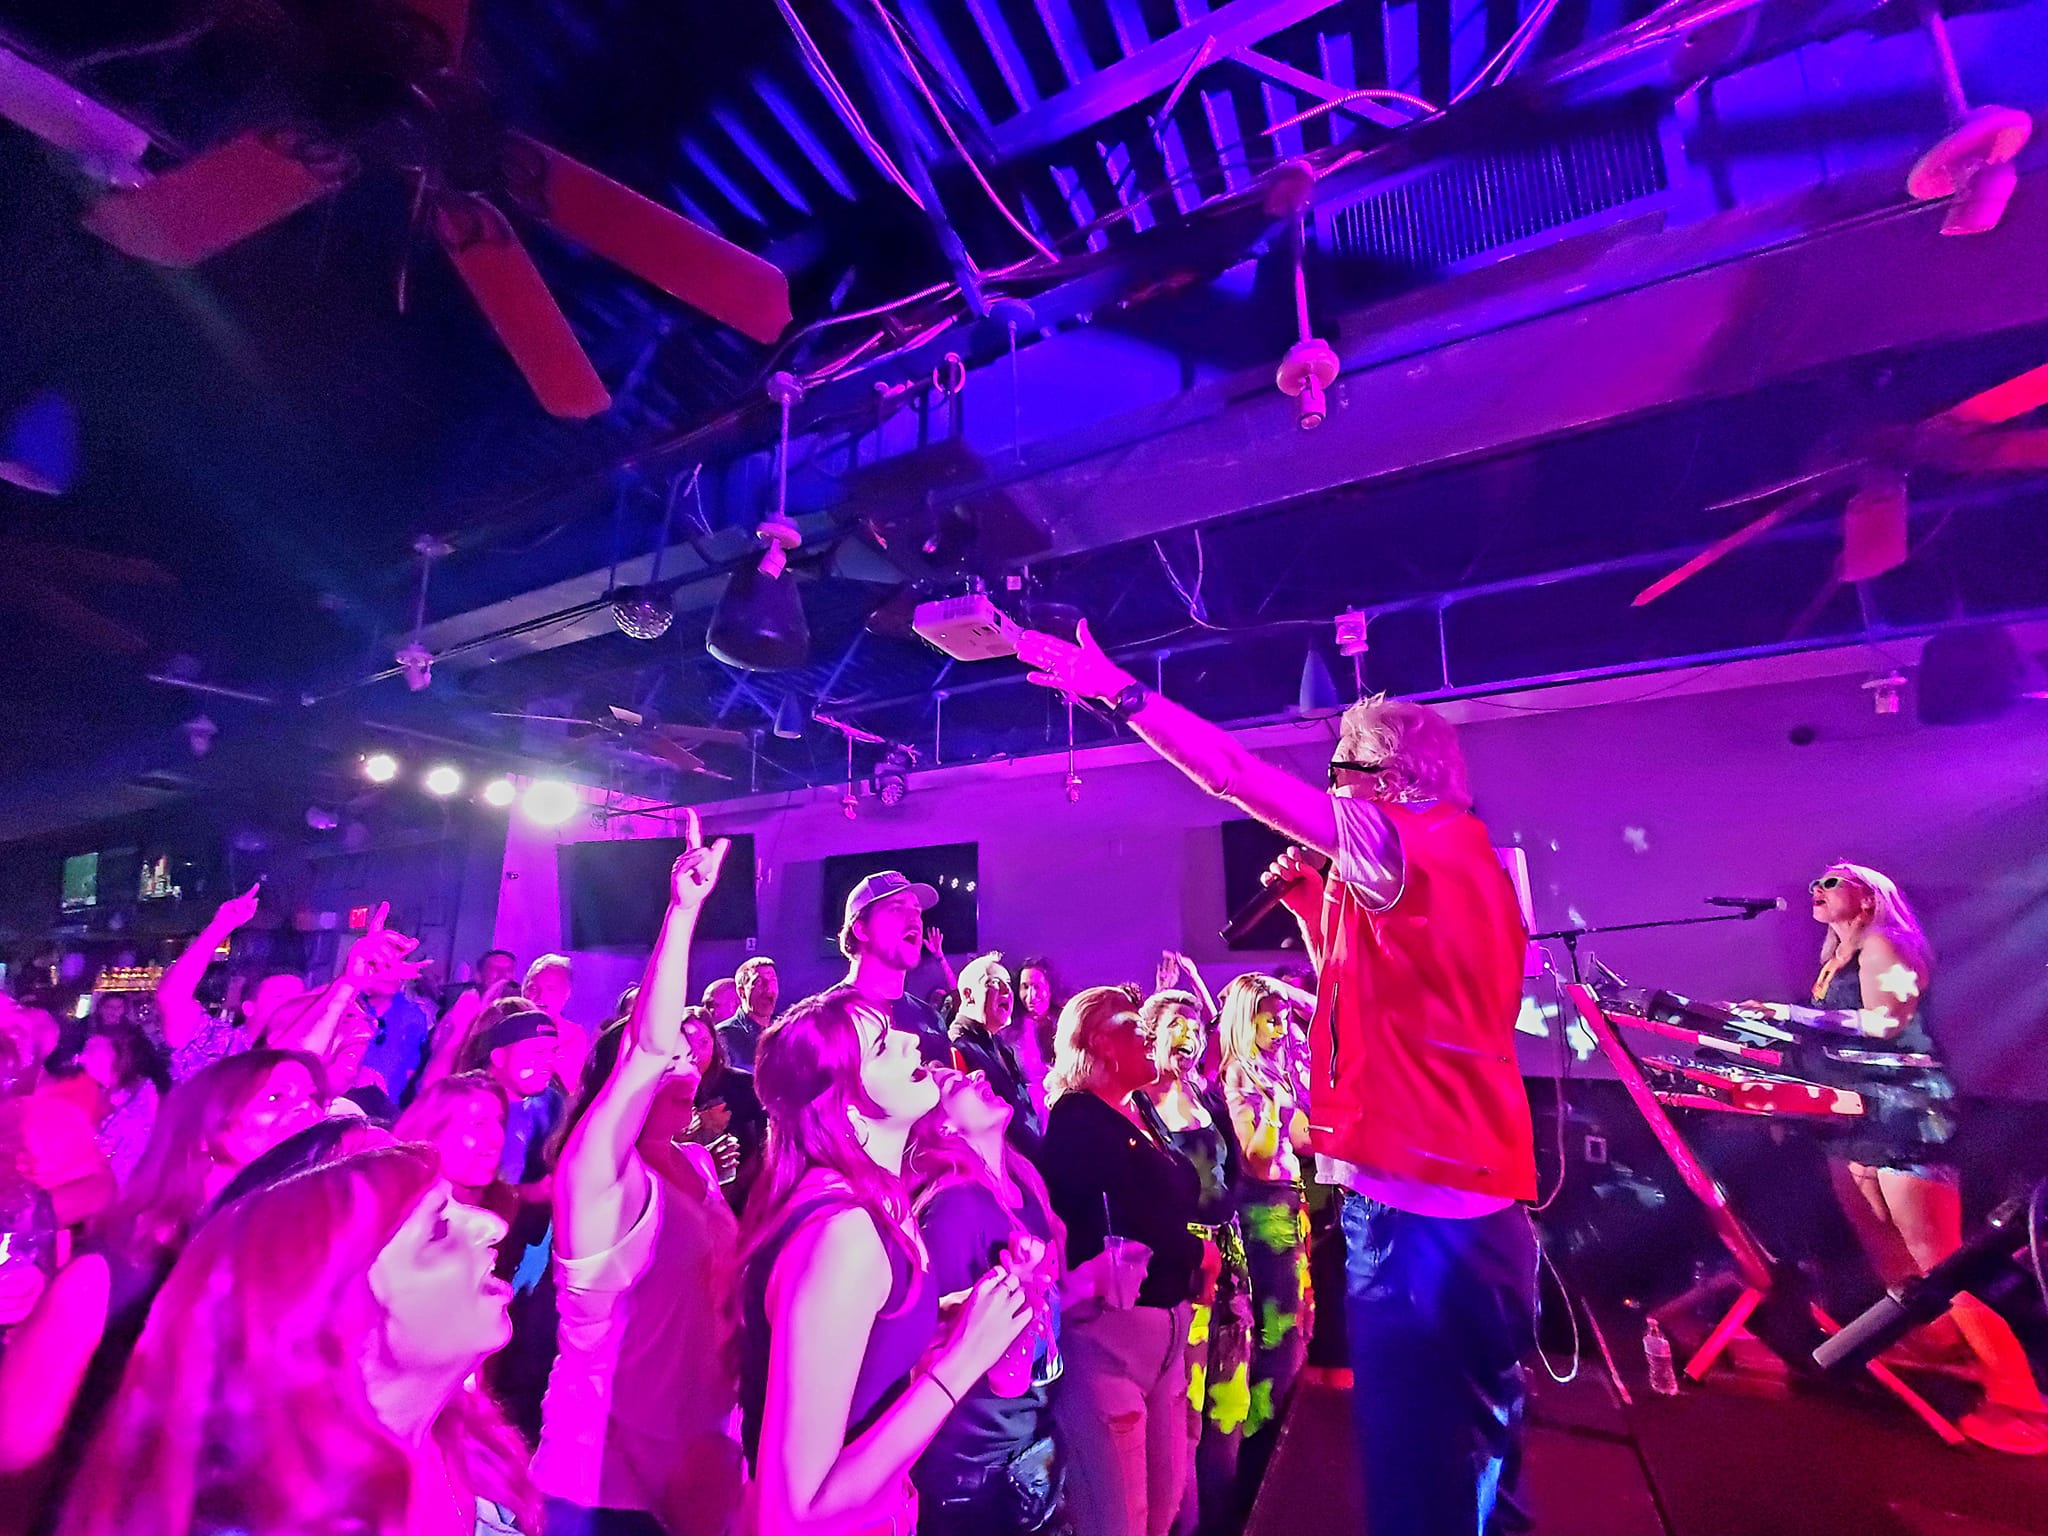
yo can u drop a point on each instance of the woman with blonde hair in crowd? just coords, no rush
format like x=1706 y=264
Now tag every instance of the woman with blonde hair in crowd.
x=312 y=1365
x=1260 y=1091
x=1876 y=968
x=1115 y=1179
x=846 y=1371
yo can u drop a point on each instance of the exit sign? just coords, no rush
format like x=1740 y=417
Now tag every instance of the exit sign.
x=359 y=917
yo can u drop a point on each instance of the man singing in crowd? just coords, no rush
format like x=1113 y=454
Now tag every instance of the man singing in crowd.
x=883 y=941
x=1416 y=1104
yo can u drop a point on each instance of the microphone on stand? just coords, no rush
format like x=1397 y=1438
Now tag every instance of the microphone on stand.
x=1749 y=906
x=1253 y=912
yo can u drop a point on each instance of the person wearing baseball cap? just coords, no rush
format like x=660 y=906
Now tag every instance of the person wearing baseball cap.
x=883 y=938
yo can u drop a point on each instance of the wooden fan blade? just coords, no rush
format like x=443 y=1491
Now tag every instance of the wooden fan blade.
x=502 y=714
x=92 y=564
x=219 y=197
x=507 y=286
x=1988 y=453
x=1778 y=488
x=1874 y=528
x=675 y=755
x=2002 y=402
x=65 y=612
x=1721 y=548
x=703 y=735
x=648 y=240
x=450 y=18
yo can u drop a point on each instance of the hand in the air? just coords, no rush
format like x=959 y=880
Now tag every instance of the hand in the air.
x=1168 y=972
x=696 y=872
x=239 y=911
x=935 y=943
x=1080 y=669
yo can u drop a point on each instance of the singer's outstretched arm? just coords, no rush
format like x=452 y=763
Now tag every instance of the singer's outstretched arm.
x=1367 y=852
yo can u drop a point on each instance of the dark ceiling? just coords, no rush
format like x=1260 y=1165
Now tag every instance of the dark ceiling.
x=274 y=433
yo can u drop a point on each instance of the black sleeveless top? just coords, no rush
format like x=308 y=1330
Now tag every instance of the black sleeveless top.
x=902 y=1330
x=1909 y=1112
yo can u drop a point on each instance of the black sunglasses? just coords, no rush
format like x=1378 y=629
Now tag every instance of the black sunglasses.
x=1341 y=763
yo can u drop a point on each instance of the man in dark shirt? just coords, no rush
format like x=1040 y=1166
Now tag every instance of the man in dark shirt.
x=883 y=937
x=986 y=999
x=759 y=988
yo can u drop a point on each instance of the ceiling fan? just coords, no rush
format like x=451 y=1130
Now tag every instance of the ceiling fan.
x=1961 y=440
x=634 y=732
x=383 y=84
x=42 y=580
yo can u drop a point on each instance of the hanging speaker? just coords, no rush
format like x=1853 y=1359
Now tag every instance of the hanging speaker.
x=1969 y=675
x=759 y=623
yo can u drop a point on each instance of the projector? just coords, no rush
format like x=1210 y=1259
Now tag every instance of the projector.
x=969 y=628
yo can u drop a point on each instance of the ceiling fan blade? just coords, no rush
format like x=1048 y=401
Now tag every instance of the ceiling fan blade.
x=2002 y=402
x=65 y=612
x=450 y=18
x=507 y=286
x=1778 y=488
x=626 y=716
x=1988 y=453
x=707 y=273
x=503 y=714
x=672 y=753
x=219 y=197
x=1722 y=548
x=92 y=564
x=1874 y=528
x=703 y=735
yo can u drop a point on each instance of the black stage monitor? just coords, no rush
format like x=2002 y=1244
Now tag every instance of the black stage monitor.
x=952 y=869
x=615 y=891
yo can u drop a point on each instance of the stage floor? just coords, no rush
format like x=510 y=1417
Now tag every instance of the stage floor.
x=1714 y=1461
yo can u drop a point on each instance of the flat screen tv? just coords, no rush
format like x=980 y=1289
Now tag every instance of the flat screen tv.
x=81 y=882
x=615 y=891
x=951 y=869
x=1248 y=847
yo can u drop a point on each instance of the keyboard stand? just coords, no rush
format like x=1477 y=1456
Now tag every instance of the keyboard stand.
x=1755 y=1269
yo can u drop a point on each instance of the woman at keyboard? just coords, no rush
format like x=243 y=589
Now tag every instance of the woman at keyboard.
x=1871 y=997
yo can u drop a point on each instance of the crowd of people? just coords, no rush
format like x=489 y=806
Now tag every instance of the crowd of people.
x=351 y=1256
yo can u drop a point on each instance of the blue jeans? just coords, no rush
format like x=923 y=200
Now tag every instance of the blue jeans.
x=1439 y=1314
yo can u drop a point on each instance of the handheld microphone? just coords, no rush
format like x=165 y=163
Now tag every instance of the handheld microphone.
x=1253 y=912
x=1750 y=904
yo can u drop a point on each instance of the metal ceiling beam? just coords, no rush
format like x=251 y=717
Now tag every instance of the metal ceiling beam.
x=1148 y=72
x=1548 y=347
x=1303 y=83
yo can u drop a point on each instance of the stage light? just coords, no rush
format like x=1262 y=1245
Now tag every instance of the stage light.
x=380 y=767
x=789 y=718
x=550 y=802
x=1318 y=693
x=500 y=793
x=443 y=779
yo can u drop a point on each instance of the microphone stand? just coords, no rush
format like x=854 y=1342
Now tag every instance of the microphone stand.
x=1571 y=936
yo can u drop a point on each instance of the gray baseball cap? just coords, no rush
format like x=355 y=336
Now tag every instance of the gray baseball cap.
x=883 y=883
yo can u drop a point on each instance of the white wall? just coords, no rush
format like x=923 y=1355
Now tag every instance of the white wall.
x=1634 y=800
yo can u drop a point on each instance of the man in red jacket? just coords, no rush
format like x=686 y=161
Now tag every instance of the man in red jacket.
x=1415 y=1101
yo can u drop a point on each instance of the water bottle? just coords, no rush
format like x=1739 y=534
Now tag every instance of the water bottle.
x=1657 y=1356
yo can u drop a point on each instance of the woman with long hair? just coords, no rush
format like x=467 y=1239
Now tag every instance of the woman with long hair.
x=633 y=1428
x=1034 y=1024
x=463 y=1119
x=845 y=1371
x=1266 y=1113
x=62 y=1363
x=1187 y=1114
x=1114 y=1177
x=312 y=1367
x=1876 y=968
x=117 y=1059
x=992 y=1470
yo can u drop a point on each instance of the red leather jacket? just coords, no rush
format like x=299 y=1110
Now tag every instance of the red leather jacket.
x=1412 y=1046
